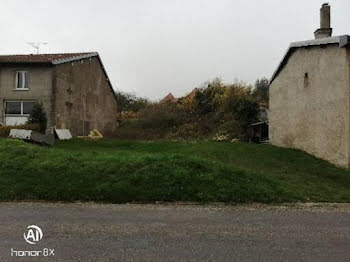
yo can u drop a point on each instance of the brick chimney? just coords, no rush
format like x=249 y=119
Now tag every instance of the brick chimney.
x=325 y=23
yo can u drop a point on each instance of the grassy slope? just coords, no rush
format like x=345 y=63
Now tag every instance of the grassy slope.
x=122 y=171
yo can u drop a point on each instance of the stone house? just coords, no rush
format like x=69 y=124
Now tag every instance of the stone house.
x=310 y=96
x=74 y=89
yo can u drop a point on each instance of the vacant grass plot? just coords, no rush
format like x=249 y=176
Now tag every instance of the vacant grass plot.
x=122 y=171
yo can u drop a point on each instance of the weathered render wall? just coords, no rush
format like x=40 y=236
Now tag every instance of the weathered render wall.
x=314 y=118
x=40 y=86
x=83 y=99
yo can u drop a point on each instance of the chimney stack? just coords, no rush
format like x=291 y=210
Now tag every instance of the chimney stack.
x=325 y=23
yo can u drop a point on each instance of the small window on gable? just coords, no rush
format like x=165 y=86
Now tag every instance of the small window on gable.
x=22 y=80
x=306 y=80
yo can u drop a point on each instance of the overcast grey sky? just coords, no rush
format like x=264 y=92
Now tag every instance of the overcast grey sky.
x=153 y=47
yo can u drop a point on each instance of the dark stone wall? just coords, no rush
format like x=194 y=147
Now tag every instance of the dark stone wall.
x=83 y=99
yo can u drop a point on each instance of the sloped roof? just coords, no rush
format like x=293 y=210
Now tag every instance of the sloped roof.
x=169 y=98
x=45 y=58
x=340 y=40
x=192 y=94
x=54 y=59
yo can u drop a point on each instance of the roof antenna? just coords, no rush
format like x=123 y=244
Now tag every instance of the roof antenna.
x=37 y=46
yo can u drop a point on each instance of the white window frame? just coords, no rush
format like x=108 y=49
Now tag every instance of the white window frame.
x=22 y=101
x=24 y=76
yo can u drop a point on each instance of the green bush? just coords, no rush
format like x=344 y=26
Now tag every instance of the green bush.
x=130 y=103
x=231 y=129
x=208 y=99
x=161 y=116
x=192 y=131
x=261 y=90
x=186 y=131
x=38 y=116
x=5 y=130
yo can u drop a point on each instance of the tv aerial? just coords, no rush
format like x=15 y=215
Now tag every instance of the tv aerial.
x=37 y=46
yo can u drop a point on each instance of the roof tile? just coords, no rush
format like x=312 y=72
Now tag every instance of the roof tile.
x=41 y=58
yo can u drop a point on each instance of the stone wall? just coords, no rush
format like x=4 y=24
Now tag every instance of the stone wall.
x=83 y=99
x=312 y=113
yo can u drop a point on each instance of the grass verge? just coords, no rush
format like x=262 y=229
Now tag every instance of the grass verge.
x=130 y=171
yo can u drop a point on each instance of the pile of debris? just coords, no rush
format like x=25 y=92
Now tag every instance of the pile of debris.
x=48 y=139
x=94 y=134
x=32 y=136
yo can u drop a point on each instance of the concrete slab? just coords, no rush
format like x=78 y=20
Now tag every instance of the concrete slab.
x=20 y=134
x=63 y=134
x=42 y=139
x=31 y=136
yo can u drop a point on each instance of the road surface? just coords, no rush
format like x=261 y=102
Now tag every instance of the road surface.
x=104 y=232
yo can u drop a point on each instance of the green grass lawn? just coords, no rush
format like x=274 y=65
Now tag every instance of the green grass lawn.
x=127 y=171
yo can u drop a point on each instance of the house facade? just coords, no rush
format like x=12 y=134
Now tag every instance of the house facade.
x=74 y=89
x=310 y=96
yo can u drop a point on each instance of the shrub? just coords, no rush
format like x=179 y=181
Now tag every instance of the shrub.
x=38 y=116
x=221 y=138
x=209 y=97
x=130 y=102
x=231 y=130
x=215 y=108
x=239 y=102
x=186 y=131
x=5 y=130
x=261 y=90
x=163 y=116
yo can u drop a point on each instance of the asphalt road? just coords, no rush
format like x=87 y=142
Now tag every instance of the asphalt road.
x=97 y=232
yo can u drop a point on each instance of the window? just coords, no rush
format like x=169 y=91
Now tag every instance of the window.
x=22 y=80
x=306 y=80
x=19 y=108
x=13 y=108
x=27 y=108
